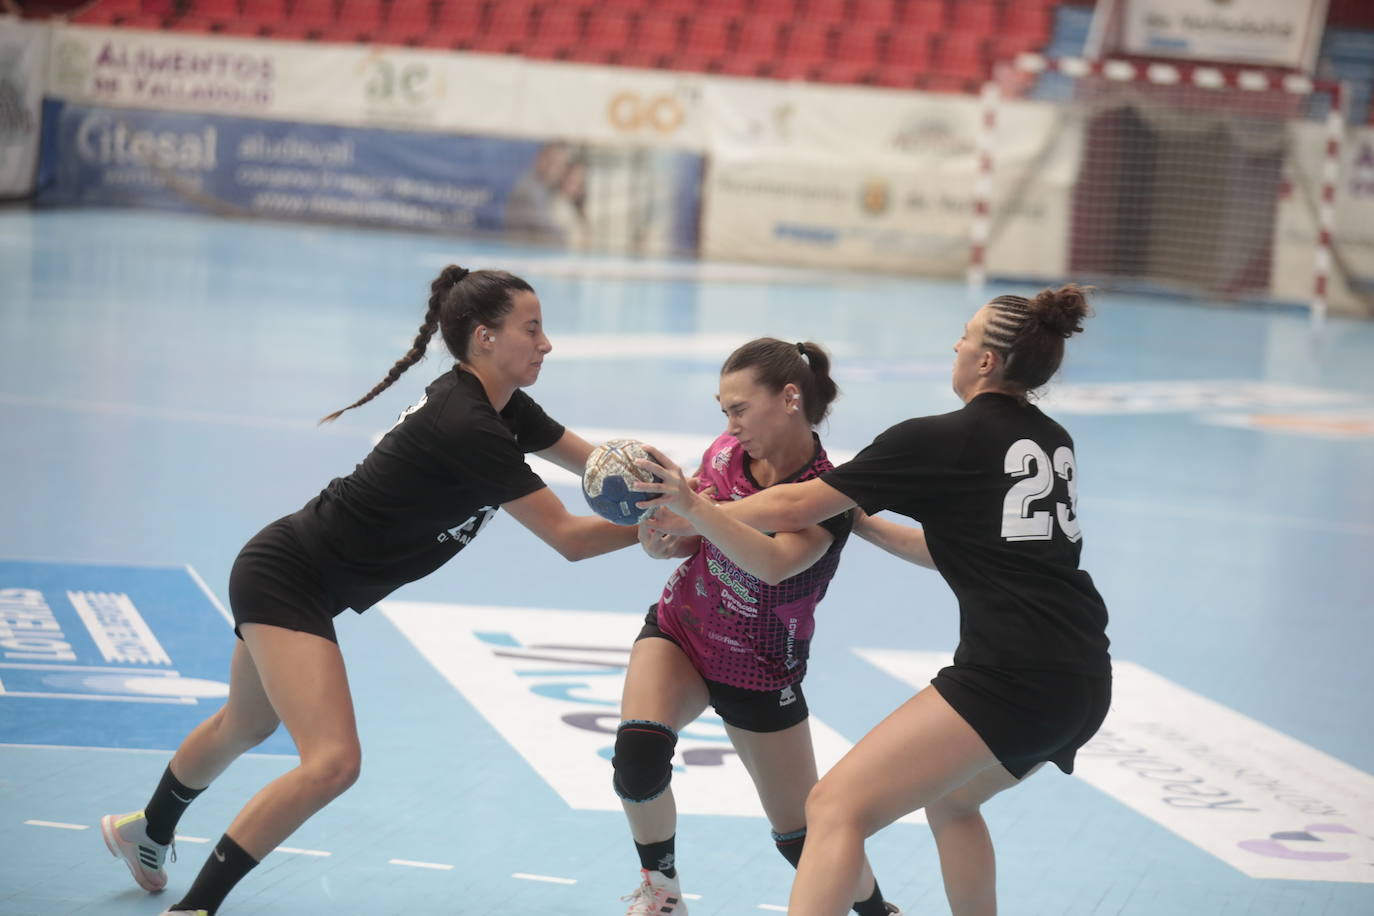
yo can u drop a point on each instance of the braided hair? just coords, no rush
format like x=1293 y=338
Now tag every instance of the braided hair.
x=1030 y=333
x=460 y=300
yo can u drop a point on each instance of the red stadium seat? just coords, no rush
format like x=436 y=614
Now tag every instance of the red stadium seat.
x=959 y=62
x=1033 y=23
x=608 y=30
x=756 y=47
x=705 y=44
x=978 y=16
x=860 y=41
x=557 y=30
x=905 y=61
x=926 y=15
x=827 y=11
x=874 y=12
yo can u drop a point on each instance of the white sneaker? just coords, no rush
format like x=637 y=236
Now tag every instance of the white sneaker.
x=659 y=895
x=126 y=836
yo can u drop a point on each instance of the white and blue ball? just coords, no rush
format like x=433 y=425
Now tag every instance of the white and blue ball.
x=606 y=481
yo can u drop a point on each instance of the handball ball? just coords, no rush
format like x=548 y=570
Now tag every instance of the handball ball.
x=606 y=481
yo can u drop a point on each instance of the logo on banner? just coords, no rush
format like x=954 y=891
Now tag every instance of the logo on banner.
x=400 y=86
x=629 y=111
x=71 y=65
x=875 y=197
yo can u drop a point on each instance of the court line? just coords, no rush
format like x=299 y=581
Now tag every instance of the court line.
x=58 y=825
x=132 y=750
x=545 y=878
x=411 y=864
x=209 y=594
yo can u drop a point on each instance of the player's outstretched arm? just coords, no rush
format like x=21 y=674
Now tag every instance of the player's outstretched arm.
x=576 y=537
x=784 y=507
x=772 y=559
x=905 y=541
x=569 y=452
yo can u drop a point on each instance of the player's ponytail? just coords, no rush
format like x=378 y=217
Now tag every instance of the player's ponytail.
x=459 y=301
x=1030 y=333
x=777 y=363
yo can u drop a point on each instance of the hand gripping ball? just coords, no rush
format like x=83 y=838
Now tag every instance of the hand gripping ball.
x=606 y=481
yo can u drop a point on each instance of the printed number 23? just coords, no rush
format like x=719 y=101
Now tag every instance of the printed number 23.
x=1019 y=523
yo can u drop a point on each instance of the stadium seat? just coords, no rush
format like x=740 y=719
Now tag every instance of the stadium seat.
x=607 y=36
x=858 y=50
x=507 y=28
x=874 y=12
x=756 y=47
x=655 y=40
x=975 y=16
x=926 y=15
x=959 y=62
x=556 y=32
x=705 y=44
x=805 y=50
x=831 y=12
x=358 y=20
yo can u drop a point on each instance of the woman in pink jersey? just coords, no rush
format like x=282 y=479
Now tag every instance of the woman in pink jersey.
x=734 y=624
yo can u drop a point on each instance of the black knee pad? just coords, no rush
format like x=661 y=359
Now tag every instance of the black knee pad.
x=643 y=760
x=790 y=844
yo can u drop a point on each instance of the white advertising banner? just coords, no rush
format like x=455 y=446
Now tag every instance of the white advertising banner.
x=23 y=52
x=1276 y=33
x=830 y=179
x=351 y=85
x=1350 y=288
x=612 y=105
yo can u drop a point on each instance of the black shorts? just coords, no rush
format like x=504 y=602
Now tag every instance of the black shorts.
x=1027 y=717
x=750 y=710
x=274 y=581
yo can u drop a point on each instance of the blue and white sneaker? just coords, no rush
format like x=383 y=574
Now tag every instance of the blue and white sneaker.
x=126 y=836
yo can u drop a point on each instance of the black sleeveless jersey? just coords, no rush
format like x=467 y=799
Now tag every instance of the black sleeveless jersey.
x=994 y=485
x=426 y=489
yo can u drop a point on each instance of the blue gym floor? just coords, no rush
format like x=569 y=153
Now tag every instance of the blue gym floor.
x=159 y=386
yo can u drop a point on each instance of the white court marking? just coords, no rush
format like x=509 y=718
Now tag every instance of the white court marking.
x=549 y=682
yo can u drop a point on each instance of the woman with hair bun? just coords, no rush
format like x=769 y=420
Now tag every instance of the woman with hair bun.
x=994 y=487
x=423 y=493
x=733 y=626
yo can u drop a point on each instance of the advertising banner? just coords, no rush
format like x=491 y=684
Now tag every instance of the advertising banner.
x=1274 y=33
x=556 y=192
x=296 y=81
x=612 y=105
x=23 y=59
x=783 y=187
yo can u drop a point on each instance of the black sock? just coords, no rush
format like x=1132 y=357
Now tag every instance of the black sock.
x=225 y=867
x=658 y=857
x=166 y=806
x=790 y=844
x=874 y=905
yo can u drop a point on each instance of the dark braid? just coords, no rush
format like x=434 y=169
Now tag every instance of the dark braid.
x=442 y=285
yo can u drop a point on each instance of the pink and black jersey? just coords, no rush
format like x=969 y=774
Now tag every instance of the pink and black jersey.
x=737 y=629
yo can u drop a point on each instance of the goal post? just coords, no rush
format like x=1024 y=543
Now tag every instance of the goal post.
x=1182 y=170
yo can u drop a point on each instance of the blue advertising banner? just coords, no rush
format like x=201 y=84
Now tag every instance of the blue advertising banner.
x=557 y=191
x=110 y=656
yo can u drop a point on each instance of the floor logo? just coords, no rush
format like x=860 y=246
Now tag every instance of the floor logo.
x=549 y=681
x=109 y=656
x=1255 y=798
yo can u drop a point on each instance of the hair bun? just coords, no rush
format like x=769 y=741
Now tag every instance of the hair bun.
x=1061 y=311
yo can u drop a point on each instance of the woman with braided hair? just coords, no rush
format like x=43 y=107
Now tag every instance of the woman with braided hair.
x=420 y=496
x=994 y=486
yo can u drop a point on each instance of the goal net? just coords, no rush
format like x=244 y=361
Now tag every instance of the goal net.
x=1181 y=172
